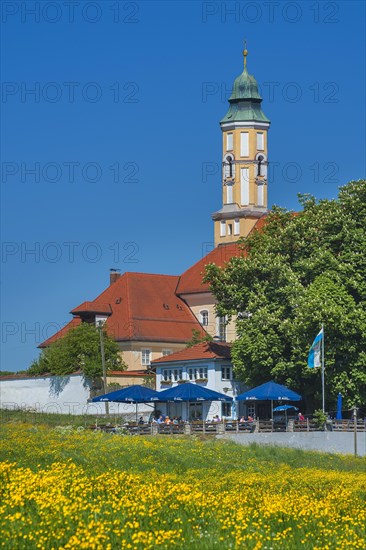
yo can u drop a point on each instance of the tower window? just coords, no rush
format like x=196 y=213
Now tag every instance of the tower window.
x=204 y=317
x=260 y=195
x=260 y=160
x=222 y=229
x=260 y=141
x=244 y=186
x=229 y=194
x=261 y=166
x=229 y=228
x=229 y=167
x=236 y=227
x=244 y=144
x=229 y=142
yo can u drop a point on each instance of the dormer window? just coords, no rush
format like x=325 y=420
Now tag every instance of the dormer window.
x=100 y=320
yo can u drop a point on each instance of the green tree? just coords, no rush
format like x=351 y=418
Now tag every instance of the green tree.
x=78 y=350
x=301 y=271
x=197 y=338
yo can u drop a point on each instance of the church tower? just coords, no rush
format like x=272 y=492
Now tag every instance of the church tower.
x=244 y=161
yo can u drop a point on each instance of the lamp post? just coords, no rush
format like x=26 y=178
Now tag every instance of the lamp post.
x=100 y=324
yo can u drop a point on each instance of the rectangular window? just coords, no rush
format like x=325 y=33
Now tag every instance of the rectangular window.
x=222 y=229
x=202 y=372
x=145 y=357
x=226 y=373
x=244 y=186
x=100 y=320
x=260 y=141
x=221 y=328
x=229 y=142
x=260 y=195
x=166 y=352
x=177 y=375
x=167 y=375
x=236 y=227
x=229 y=194
x=192 y=374
x=229 y=228
x=204 y=317
x=226 y=410
x=244 y=144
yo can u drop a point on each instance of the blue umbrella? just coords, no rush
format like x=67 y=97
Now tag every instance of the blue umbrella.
x=270 y=391
x=339 y=406
x=285 y=408
x=191 y=392
x=132 y=394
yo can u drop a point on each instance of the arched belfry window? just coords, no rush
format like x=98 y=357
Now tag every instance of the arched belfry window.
x=261 y=165
x=229 y=167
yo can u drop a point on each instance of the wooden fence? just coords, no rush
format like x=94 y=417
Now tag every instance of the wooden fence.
x=231 y=426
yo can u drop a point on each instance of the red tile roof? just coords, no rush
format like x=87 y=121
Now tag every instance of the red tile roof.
x=191 y=280
x=72 y=324
x=204 y=350
x=143 y=307
x=92 y=307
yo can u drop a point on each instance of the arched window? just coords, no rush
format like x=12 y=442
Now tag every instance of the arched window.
x=262 y=165
x=204 y=317
x=229 y=167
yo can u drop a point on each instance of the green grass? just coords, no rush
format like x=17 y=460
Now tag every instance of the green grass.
x=76 y=488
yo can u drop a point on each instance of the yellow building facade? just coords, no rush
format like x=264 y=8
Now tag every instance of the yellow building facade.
x=244 y=162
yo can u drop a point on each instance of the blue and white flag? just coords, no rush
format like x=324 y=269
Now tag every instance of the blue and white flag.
x=314 y=357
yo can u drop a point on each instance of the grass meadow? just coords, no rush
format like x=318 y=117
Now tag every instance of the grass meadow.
x=74 y=488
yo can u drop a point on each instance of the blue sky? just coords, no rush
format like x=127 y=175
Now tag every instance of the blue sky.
x=122 y=134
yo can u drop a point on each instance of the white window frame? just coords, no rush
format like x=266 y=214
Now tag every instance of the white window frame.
x=166 y=352
x=226 y=165
x=166 y=375
x=244 y=144
x=145 y=357
x=229 y=194
x=229 y=141
x=202 y=372
x=260 y=194
x=177 y=375
x=191 y=373
x=244 y=187
x=226 y=372
x=197 y=373
x=236 y=227
x=204 y=315
x=222 y=228
x=260 y=141
x=100 y=320
x=222 y=328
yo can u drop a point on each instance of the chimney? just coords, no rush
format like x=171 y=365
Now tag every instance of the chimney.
x=114 y=274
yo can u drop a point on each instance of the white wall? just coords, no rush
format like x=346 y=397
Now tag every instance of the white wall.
x=58 y=394
x=214 y=382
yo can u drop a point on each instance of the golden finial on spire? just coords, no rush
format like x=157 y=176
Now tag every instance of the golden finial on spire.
x=245 y=53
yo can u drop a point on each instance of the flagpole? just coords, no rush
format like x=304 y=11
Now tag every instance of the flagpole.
x=323 y=389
